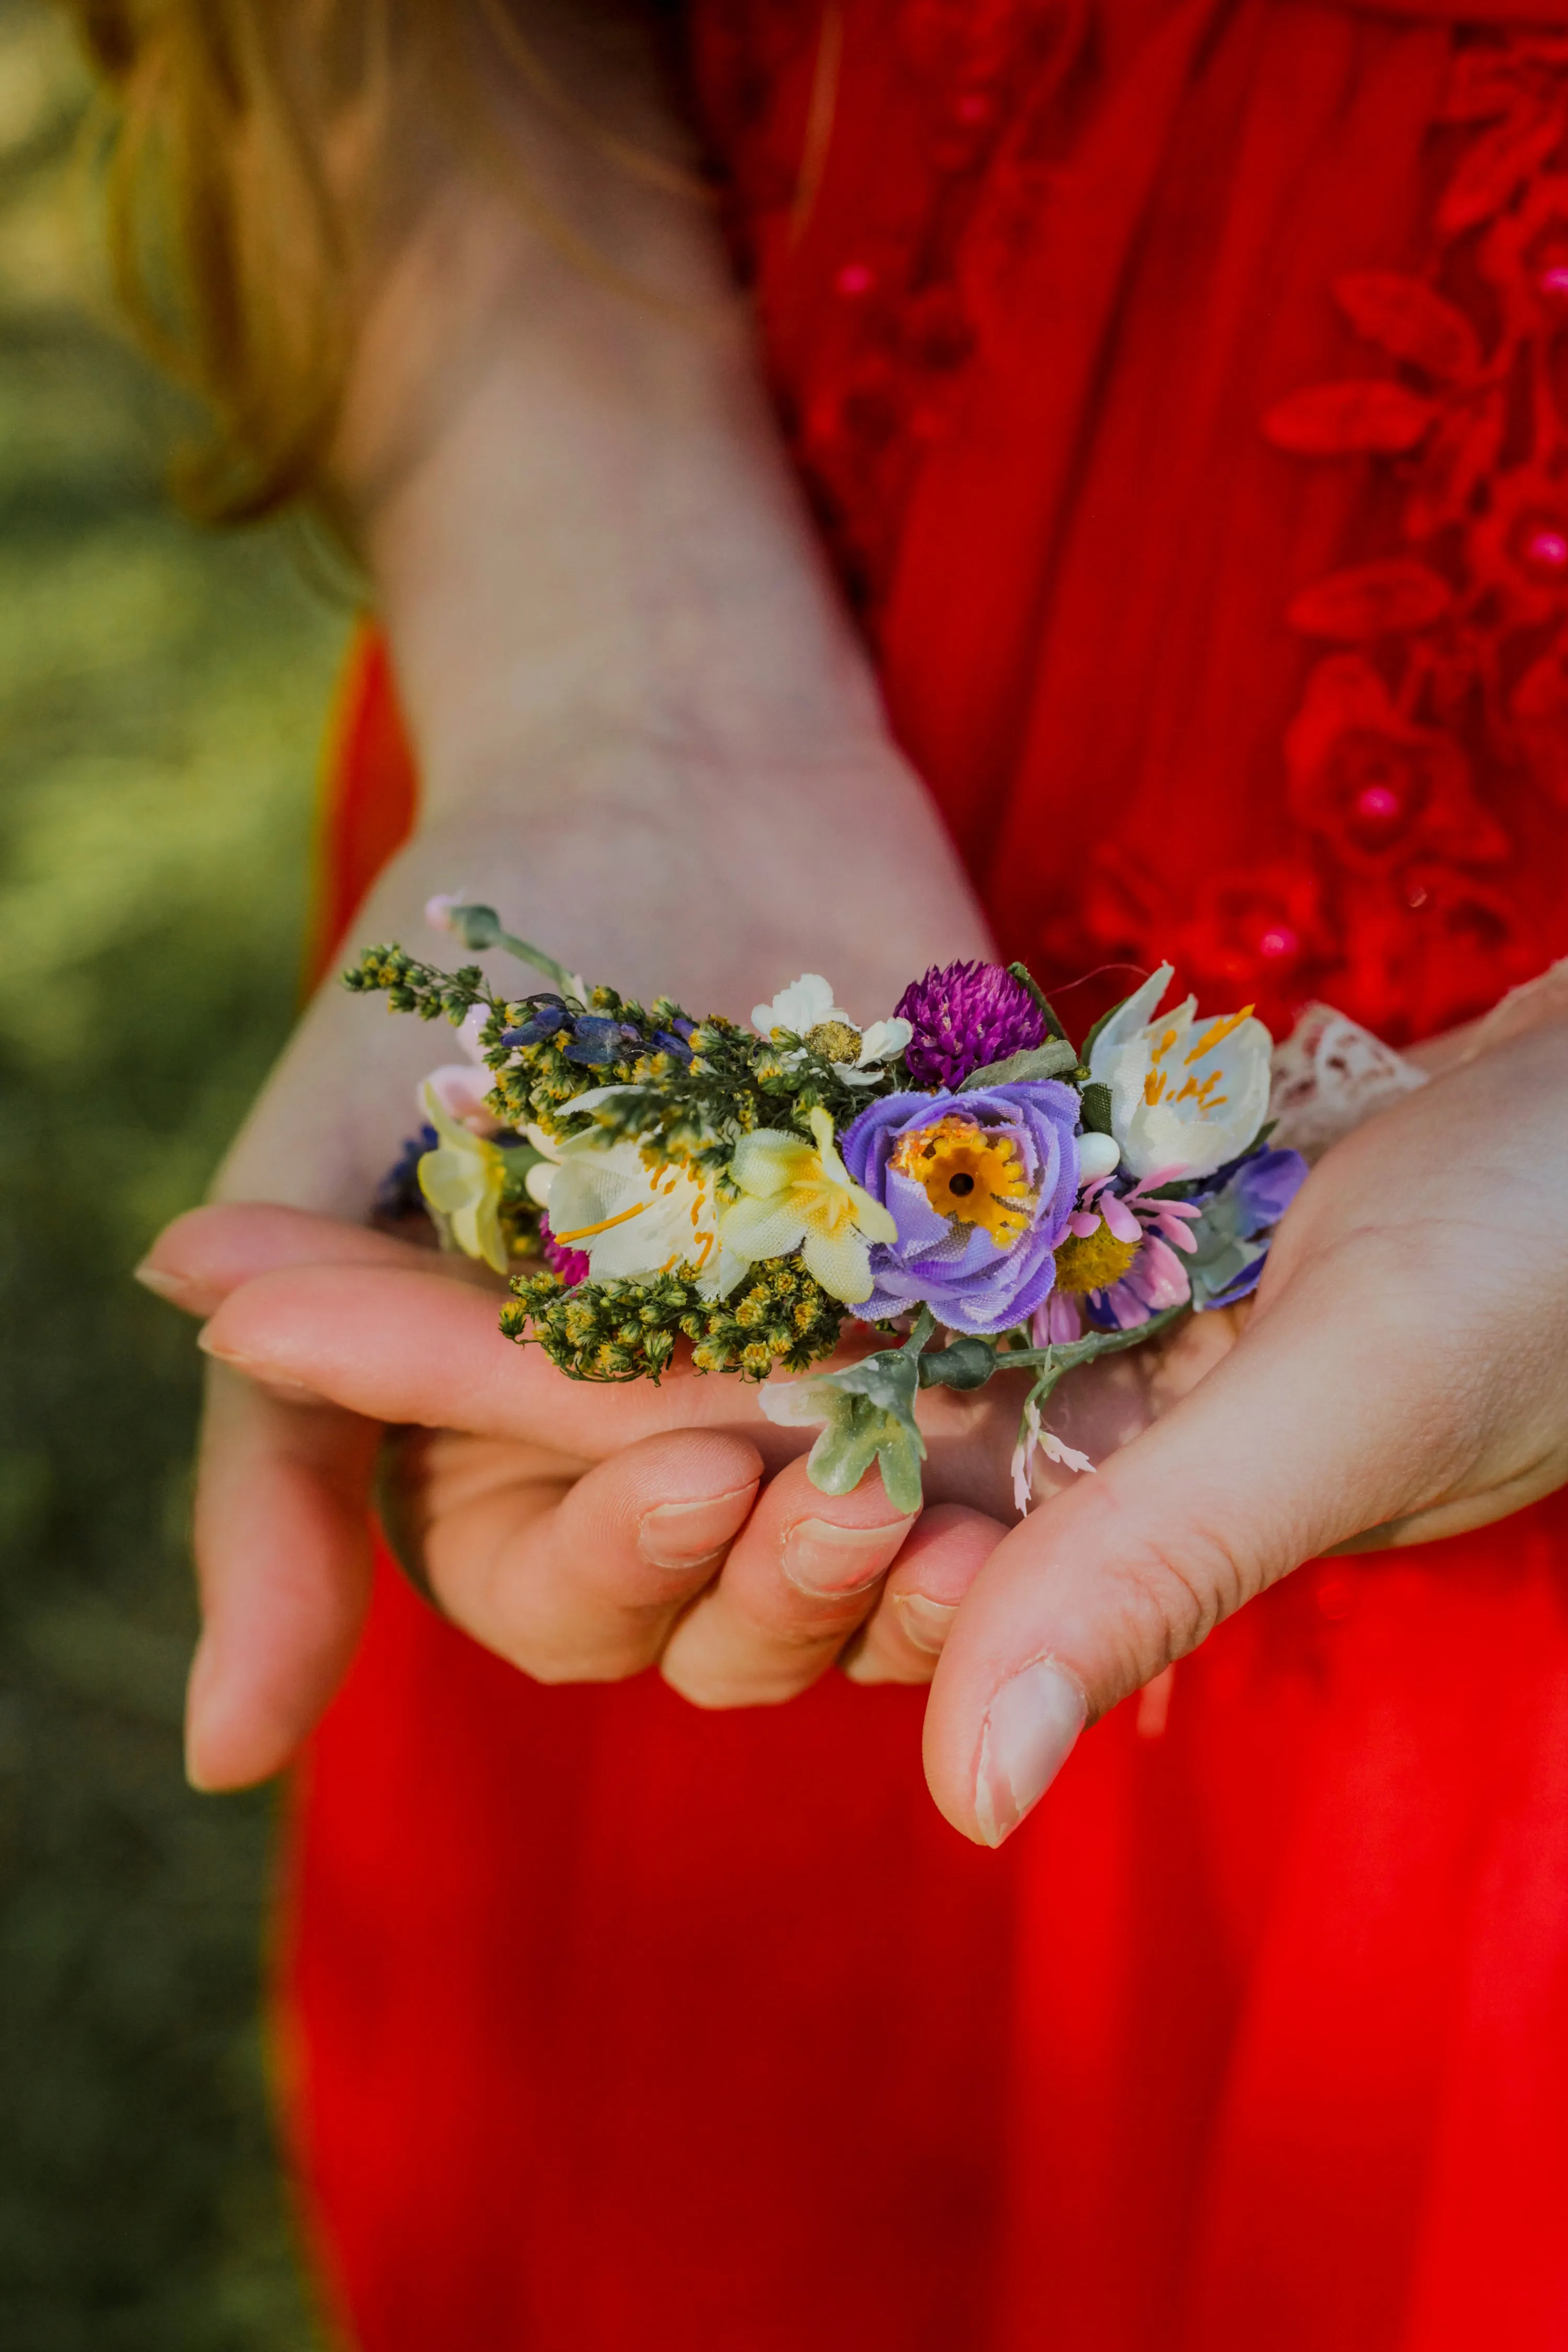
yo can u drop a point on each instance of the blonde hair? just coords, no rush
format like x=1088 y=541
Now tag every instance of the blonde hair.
x=230 y=244
x=240 y=156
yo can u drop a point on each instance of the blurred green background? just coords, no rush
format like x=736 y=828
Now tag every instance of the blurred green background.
x=162 y=697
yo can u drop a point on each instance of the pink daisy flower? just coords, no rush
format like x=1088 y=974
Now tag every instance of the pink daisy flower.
x=1117 y=1264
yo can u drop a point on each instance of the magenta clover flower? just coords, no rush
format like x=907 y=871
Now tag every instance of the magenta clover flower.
x=965 y=1017
x=981 y=1186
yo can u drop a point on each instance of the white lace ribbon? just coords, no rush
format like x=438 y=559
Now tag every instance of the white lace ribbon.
x=1329 y=1075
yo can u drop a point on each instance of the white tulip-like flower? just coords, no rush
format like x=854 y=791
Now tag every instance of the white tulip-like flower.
x=1186 y=1092
x=633 y=1220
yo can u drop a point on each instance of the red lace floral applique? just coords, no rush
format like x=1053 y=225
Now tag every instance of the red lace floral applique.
x=1449 y=658
x=954 y=173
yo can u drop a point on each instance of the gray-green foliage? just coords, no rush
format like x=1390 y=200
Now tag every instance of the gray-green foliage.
x=161 y=694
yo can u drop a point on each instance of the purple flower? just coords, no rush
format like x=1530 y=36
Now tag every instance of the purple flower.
x=1240 y=1209
x=399 y=1194
x=980 y=1186
x=965 y=1015
x=596 y=1041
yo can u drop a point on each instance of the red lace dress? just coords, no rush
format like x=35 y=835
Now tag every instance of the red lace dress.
x=1182 y=384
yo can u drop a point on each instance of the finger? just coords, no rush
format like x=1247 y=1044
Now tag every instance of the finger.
x=411 y=1347
x=581 y=1581
x=196 y=1262
x=1296 y=1440
x=282 y=1552
x=796 y=1585
x=907 y=1632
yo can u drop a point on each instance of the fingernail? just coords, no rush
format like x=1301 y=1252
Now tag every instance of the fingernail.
x=835 y=1562
x=1029 y=1733
x=276 y=1384
x=926 y=1623
x=688 y=1534
x=175 y=1288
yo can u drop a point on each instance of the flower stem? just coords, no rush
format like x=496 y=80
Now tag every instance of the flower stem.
x=480 y=926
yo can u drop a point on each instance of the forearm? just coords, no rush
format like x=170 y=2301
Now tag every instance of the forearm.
x=644 y=725
x=580 y=520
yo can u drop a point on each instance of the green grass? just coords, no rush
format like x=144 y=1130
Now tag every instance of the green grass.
x=162 y=695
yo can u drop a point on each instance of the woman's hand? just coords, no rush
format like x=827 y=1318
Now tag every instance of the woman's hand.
x=1405 y=1376
x=582 y=1532
x=645 y=732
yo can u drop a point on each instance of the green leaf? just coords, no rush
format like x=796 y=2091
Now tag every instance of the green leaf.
x=847 y=1445
x=899 y=1455
x=870 y=1409
x=1095 y=1107
x=860 y=1433
x=888 y=1379
x=1047 y=1060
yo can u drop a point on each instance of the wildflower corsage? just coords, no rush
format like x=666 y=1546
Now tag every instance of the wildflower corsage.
x=960 y=1177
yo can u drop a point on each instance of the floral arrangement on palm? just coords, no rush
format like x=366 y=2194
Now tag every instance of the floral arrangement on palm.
x=958 y=1177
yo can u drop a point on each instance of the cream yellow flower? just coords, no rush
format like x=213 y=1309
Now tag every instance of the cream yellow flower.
x=796 y=1196
x=463 y=1180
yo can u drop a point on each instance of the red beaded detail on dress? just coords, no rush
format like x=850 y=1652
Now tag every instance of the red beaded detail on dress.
x=1425 y=768
x=984 y=83
x=1444 y=659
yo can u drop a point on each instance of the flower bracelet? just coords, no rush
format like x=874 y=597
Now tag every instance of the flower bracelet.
x=960 y=1177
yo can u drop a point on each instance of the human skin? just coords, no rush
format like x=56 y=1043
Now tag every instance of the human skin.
x=608 y=618
x=647 y=730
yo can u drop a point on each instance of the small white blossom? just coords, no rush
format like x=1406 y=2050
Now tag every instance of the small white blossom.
x=438 y=910
x=1033 y=1439
x=884 y=1041
x=807 y=1004
x=802 y=1007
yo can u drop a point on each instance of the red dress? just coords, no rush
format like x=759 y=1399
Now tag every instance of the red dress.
x=1180 y=384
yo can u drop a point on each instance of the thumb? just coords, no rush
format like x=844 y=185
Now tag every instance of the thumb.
x=282 y=1544
x=1296 y=1442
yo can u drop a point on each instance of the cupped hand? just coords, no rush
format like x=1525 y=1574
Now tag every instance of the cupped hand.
x=626 y=834
x=582 y=1532
x=1405 y=1376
